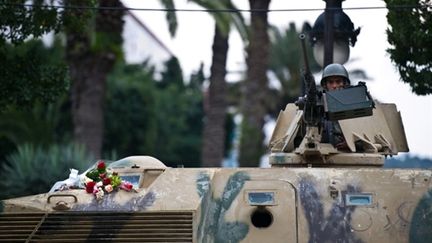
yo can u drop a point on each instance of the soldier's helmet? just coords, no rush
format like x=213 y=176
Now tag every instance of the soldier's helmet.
x=335 y=69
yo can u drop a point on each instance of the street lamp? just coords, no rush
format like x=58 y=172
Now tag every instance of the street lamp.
x=331 y=35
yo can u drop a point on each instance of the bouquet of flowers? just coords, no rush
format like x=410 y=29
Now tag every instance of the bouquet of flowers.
x=98 y=181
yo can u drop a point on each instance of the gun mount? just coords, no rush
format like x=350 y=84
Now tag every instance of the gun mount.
x=369 y=132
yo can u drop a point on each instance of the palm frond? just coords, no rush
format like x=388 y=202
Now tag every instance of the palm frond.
x=225 y=19
x=33 y=170
x=171 y=16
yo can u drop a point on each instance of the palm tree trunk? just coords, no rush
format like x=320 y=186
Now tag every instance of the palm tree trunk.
x=89 y=66
x=255 y=90
x=214 y=126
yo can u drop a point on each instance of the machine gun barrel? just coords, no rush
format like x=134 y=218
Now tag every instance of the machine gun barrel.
x=312 y=109
x=302 y=38
x=308 y=78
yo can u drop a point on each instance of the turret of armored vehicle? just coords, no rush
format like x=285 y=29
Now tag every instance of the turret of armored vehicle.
x=314 y=192
x=369 y=139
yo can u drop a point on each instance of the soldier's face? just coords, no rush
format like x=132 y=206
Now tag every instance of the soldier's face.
x=334 y=83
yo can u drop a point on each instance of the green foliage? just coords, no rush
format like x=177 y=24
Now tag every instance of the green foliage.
x=171 y=16
x=19 y=22
x=78 y=20
x=179 y=126
x=410 y=34
x=254 y=146
x=31 y=73
x=93 y=174
x=229 y=134
x=197 y=79
x=33 y=170
x=35 y=126
x=172 y=75
x=115 y=181
x=108 y=43
x=41 y=125
x=6 y=147
x=286 y=62
x=129 y=123
x=162 y=119
x=179 y=117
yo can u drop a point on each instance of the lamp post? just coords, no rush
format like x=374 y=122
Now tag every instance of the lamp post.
x=331 y=35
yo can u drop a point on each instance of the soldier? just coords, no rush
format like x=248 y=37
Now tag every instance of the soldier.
x=334 y=77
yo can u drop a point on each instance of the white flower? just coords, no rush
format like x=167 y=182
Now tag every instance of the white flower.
x=99 y=194
x=84 y=179
x=109 y=188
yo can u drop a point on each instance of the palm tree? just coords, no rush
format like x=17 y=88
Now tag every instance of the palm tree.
x=91 y=58
x=255 y=89
x=90 y=61
x=215 y=111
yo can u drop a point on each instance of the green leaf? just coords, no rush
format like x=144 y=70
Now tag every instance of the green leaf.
x=171 y=16
x=32 y=169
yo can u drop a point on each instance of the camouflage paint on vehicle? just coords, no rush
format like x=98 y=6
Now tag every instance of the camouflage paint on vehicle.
x=310 y=205
x=332 y=226
x=110 y=204
x=202 y=183
x=421 y=223
x=213 y=227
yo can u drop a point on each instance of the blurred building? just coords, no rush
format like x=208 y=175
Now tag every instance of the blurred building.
x=141 y=44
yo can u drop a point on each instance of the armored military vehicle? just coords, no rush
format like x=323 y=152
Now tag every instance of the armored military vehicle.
x=314 y=192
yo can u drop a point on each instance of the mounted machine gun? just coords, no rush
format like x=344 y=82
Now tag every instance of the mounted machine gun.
x=297 y=138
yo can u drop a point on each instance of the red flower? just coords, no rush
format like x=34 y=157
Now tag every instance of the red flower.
x=106 y=181
x=101 y=165
x=103 y=175
x=127 y=186
x=89 y=186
